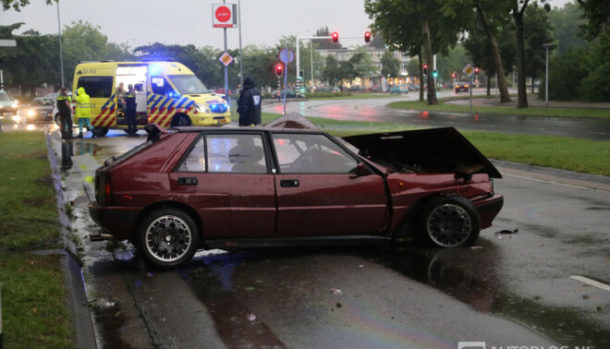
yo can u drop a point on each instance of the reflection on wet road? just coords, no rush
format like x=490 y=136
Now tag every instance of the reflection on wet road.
x=376 y=110
x=510 y=289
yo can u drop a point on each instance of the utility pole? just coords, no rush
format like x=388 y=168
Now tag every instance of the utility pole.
x=311 y=61
x=546 y=79
x=61 y=54
x=241 y=57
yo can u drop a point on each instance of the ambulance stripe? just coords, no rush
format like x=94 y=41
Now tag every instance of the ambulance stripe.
x=163 y=109
x=109 y=116
x=156 y=102
x=182 y=102
x=108 y=101
x=189 y=105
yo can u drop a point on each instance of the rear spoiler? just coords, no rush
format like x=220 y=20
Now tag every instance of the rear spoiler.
x=434 y=148
x=154 y=132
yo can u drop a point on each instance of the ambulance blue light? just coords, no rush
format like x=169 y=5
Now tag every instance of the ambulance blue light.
x=218 y=107
x=154 y=69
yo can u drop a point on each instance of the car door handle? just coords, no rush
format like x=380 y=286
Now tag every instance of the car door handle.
x=286 y=183
x=187 y=181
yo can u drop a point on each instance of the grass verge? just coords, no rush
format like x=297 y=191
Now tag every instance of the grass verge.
x=566 y=153
x=505 y=110
x=33 y=298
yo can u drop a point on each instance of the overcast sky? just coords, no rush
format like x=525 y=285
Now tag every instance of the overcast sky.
x=141 y=22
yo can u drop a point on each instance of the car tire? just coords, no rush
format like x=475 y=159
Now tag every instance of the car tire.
x=181 y=120
x=167 y=238
x=99 y=131
x=449 y=221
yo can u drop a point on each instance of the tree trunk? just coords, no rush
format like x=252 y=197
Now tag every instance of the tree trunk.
x=428 y=56
x=421 y=77
x=495 y=51
x=521 y=84
x=533 y=78
x=488 y=85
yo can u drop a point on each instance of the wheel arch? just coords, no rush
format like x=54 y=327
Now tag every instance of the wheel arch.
x=179 y=115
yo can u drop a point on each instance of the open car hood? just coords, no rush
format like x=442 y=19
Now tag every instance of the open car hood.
x=435 y=149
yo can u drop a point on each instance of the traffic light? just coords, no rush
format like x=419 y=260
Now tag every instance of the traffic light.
x=367 y=36
x=335 y=36
x=301 y=74
x=279 y=69
x=476 y=70
x=435 y=73
x=425 y=69
x=453 y=75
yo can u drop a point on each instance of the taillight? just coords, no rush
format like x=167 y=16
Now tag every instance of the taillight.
x=107 y=191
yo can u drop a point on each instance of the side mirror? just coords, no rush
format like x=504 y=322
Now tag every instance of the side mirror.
x=361 y=170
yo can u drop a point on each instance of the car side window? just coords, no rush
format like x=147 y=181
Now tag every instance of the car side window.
x=160 y=86
x=195 y=161
x=236 y=153
x=310 y=153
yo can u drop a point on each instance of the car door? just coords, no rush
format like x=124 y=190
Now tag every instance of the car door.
x=225 y=178
x=318 y=192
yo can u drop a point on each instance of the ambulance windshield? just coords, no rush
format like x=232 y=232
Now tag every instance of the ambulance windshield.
x=188 y=84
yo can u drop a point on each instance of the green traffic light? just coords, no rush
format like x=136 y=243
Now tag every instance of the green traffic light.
x=435 y=73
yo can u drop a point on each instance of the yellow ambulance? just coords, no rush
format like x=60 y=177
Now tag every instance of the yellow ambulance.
x=167 y=94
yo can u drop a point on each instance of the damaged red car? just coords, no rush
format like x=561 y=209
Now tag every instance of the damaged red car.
x=191 y=188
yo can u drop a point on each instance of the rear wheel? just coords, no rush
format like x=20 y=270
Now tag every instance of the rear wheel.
x=99 y=131
x=449 y=222
x=167 y=237
x=181 y=120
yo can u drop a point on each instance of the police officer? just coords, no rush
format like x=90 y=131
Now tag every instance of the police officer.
x=83 y=111
x=130 y=110
x=249 y=104
x=65 y=114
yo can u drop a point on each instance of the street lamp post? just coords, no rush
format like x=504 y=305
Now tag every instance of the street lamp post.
x=546 y=79
x=61 y=55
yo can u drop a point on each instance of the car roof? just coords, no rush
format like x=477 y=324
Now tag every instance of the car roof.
x=231 y=129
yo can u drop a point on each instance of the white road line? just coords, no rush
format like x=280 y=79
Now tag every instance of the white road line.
x=591 y=282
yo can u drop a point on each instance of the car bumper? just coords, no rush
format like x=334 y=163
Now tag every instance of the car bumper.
x=488 y=209
x=120 y=222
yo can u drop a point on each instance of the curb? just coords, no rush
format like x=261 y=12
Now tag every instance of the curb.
x=76 y=303
x=549 y=174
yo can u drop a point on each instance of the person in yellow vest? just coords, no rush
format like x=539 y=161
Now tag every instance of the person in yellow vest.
x=83 y=111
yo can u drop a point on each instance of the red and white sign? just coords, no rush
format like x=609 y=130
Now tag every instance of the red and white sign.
x=224 y=15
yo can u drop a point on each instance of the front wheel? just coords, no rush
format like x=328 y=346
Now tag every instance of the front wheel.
x=449 y=221
x=99 y=131
x=181 y=120
x=167 y=237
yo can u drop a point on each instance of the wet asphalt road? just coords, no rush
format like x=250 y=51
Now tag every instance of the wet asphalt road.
x=510 y=289
x=375 y=109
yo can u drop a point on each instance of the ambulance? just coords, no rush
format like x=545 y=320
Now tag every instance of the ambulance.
x=167 y=94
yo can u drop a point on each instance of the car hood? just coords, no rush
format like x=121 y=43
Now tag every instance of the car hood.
x=436 y=149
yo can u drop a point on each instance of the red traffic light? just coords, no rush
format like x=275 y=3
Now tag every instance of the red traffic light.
x=453 y=75
x=476 y=70
x=425 y=69
x=335 y=36
x=279 y=69
x=367 y=36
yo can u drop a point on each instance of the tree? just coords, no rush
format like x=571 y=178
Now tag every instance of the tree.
x=331 y=73
x=566 y=23
x=417 y=27
x=597 y=12
x=362 y=63
x=537 y=30
x=17 y=5
x=390 y=65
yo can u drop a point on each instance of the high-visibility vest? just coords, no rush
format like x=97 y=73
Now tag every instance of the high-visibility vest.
x=83 y=104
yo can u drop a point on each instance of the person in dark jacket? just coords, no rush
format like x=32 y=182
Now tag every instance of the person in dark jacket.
x=130 y=110
x=65 y=113
x=249 y=104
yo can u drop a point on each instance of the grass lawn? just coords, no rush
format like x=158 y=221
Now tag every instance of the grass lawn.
x=504 y=110
x=573 y=154
x=33 y=298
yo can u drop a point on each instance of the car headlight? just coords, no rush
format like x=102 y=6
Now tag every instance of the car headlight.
x=17 y=118
x=202 y=108
x=15 y=104
x=31 y=112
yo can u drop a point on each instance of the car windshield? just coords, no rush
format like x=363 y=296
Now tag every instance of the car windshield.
x=4 y=97
x=188 y=84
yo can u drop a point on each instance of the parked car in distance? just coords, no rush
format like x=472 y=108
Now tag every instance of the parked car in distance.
x=40 y=109
x=461 y=87
x=413 y=87
x=8 y=105
x=193 y=187
x=400 y=89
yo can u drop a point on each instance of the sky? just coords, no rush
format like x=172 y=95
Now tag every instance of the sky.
x=142 y=22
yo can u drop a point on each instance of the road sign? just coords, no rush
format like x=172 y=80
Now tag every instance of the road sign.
x=8 y=43
x=286 y=55
x=224 y=15
x=468 y=70
x=225 y=58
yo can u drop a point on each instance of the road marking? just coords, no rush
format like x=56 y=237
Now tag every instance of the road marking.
x=591 y=282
